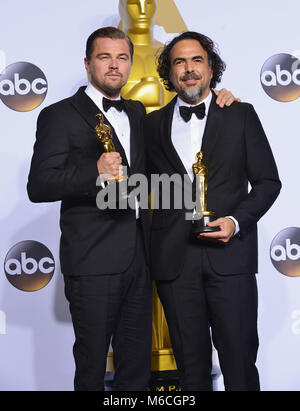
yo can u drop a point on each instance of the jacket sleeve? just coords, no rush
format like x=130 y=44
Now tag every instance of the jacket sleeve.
x=57 y=173
x=261 y=172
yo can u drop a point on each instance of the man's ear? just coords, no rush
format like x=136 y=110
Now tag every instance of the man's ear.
x=86 y=64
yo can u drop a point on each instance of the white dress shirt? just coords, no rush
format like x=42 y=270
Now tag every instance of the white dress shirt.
x=118 y=119
x=120 y=122
x=187 y=138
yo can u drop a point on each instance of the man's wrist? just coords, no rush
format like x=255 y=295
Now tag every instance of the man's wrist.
x=237 y=227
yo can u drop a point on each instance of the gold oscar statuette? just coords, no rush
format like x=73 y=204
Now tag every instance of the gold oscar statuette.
x=104 y=135
x=202 y=216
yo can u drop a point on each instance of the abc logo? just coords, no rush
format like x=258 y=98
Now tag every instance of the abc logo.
x=23 y=86
x=280 y=77
x=29 y=265
x=285 y=251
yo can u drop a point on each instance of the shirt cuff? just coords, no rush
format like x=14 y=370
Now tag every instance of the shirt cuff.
x=237 y=227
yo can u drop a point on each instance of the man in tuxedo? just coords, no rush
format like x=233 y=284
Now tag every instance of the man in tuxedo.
x=103 y=253
x=207 y=282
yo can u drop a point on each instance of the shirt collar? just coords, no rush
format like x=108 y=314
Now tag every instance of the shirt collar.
x=207 y=101
x=96 y=95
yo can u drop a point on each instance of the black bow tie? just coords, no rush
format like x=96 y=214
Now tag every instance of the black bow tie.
x=186 y=112
x=107 y=104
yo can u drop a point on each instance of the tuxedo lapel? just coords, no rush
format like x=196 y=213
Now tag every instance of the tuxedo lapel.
x=88 y=110
x=166 y=138
x=85 y=107
x=211 y=134
x=135 y=129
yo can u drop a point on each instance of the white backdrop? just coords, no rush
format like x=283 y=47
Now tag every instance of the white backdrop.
x=36 y=335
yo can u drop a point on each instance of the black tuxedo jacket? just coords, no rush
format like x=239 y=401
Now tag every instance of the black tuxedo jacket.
x=236 y=152
x=64 y=168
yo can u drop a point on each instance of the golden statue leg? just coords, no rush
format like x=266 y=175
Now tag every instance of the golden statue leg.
x=162 y=353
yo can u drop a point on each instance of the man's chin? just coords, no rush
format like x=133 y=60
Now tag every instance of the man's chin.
x=113 y=92
x=110 y=91
x=191 y=95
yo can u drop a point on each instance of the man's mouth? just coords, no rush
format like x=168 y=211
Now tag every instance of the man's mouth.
x=113 y=75
x=190 y=79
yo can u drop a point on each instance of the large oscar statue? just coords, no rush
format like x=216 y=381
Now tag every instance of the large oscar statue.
x=137 y=20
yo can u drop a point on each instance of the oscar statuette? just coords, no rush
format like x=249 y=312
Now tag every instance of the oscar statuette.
x=104 y=135
x=201 y=216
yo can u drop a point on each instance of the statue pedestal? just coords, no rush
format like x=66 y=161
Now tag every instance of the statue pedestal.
x=164 y=375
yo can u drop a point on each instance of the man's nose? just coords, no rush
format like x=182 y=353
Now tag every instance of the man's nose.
x=114 y=64
x=189 y=66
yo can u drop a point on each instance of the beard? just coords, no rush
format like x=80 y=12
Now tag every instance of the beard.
x=191 y=95
x=109 y=89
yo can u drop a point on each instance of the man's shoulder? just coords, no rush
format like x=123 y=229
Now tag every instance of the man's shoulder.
x=238 y=113
x=61 y=104
x=155 y=114
x=237 y=108
x=163 y=111
x=62 y=107
x=136 y=106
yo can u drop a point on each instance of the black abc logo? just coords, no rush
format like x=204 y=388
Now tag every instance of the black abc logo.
x=23 y=86
x=285 y=251
x=29 y=265
x=280 y=77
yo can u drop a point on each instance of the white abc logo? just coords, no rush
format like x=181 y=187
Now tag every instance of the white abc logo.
x=29 y=265
x=22 y=86
x=285 y=251
x=290 y=251
x=281 y=77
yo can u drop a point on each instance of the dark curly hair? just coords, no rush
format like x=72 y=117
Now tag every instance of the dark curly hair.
x=214 y=60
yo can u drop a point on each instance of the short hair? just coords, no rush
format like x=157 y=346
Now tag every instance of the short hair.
x=107 y=32
x=214 y=60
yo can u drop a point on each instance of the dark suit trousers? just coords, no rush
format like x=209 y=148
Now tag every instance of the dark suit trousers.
x=200 y=300
x=117 y=306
